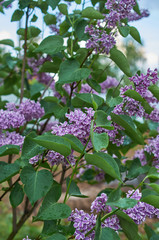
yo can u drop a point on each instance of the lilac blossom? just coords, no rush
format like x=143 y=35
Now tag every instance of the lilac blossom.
x=152 y=148
x=141 y=210
x=84 y=222
x=10 y=119
x=11 y=138
x=118 y=10
x=142 y=82
x=35 y=65
x=35 y=159
x=133 y=16
x=55 y=158
x=110 y=82
x=29 y=109
x=99 y=40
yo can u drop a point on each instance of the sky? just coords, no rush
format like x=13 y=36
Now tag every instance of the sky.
x=148 y=28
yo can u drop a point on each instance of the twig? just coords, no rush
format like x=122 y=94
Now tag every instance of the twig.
x=24 y=58
x=8 y=189
x=22 y=220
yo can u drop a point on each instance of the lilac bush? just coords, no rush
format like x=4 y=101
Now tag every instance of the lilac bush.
x=74 y=119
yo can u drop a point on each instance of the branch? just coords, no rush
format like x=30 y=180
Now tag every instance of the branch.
x=22 y=220
x=24 y=58
x=8 y=189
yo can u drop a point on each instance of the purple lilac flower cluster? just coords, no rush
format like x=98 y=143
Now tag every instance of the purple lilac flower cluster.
x=110 y=82
x=152 y=148
x=55 y=158
x=141 y=210
x=35 y=65
x=132 y=107
x=133 y=16
x=118 y=10
x=29 y=109
x=79 y=125
x=11 y=138
x=11 y=119
x=15 y=117
x=84 y=222
x=100 y=40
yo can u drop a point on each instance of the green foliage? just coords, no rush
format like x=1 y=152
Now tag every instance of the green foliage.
x=16 y=195
x=8 y=171
x=55 y=143
x=61 y=74
x=9 y=149
x=51 y=45
x=70 y=71
x=105 y=162
x=36 y=183
x=119 y=58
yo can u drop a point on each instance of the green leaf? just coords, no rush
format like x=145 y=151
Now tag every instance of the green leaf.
x=34 y=18
x=153 y=173
x=115 y=101
x=16 y=195
x=8 y=42
x=53 y=3
x=155 y=187
x=124 y=30
x=136 y=169
x=98 y=228
x=9 y=149
x=100 y=118
x=49 y=19
x=78 y=1
x=64 y=26
x=135 y=95
x=124 y=203
x=31 y=33
x=135 y=34
x=99 y=140
x=7 y=171
x=136 y=8
x=130 y=129
x=91 y=13
x=75 y=142
x=30 y=148
x=70 y=71
x=35 y=90
x=150 y=197
x=50 y=209
x=114 y=195
x=56 y=236
x=63 y=8
x=149 y=231
x=95 y=85
x=80 y=30
x=51 y=45
x=154 y=90
x=50 y=67
x=56 y=143
x=105 y=162
x=108 y=233
x=17 y=15
x=36 y=183
x=84 y=99
x=24 y=3
x=128 y=226
x=74 y=189
x=121 y=61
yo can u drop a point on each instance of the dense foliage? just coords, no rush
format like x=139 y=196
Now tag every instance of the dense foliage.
x=69 y=118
